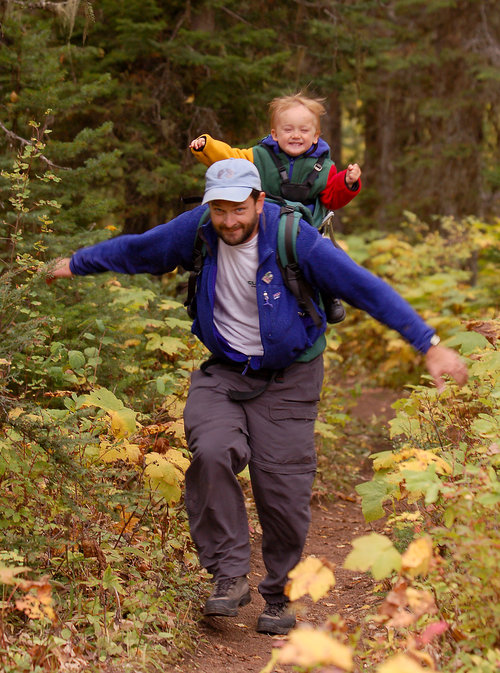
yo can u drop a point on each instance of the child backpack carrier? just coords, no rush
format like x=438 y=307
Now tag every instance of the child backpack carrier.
x=290 y=215
x=303 y=196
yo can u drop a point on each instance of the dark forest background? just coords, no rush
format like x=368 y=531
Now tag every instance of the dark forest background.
x=411 y=88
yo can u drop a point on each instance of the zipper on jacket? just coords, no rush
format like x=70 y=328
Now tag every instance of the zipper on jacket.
x=246 y=366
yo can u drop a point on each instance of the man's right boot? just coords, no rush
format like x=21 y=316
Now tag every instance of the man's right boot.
x=276 y=619
x=228 y=595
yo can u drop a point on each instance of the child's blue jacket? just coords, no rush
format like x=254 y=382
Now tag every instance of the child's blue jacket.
x=285 y=333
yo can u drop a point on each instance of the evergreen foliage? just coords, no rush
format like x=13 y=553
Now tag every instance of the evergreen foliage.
x=129 y=84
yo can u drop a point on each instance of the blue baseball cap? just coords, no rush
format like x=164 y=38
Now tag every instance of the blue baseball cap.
x=231 y=180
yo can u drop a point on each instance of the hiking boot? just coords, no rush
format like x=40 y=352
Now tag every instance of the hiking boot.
x=228 y=595
x=276 y=619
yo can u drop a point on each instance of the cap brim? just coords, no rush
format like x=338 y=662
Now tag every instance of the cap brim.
x=234 y=194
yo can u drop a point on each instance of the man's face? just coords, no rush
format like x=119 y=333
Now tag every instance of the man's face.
x=234 y=222
x=296 y=130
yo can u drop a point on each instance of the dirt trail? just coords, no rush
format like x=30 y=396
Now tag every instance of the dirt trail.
x=232 y=644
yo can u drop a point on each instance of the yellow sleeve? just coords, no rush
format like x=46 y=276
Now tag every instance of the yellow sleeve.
x=215 y=150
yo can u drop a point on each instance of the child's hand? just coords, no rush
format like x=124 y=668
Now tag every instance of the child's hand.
x=198 y=144
x=352 y=174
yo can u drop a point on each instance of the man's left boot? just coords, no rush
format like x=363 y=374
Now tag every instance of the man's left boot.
x=229 y=594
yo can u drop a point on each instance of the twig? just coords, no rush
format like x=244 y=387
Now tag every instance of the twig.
x=236 y=16
x=23 y=141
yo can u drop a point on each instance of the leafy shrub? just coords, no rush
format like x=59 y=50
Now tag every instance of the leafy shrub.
x=442 y=479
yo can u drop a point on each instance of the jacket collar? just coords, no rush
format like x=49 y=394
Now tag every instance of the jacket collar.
x=268 y=222
x=316 y=150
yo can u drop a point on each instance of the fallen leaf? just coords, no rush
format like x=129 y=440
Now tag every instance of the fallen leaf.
x=307 y=647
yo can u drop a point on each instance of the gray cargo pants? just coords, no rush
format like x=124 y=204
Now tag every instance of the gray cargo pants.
x=273 y=434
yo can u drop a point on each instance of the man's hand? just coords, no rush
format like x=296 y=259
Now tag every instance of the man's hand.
x=352 y=174
x=60 y=269
x=198 y=144
x=440 y=360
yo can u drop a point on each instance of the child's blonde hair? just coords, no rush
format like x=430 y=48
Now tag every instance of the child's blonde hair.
x=282 y=103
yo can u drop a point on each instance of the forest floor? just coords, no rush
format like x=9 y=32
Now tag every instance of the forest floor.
x=232 y=644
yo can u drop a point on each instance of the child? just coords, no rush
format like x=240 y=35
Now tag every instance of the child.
x=293 y=161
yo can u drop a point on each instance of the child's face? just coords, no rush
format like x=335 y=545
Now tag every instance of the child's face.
x=296 y=130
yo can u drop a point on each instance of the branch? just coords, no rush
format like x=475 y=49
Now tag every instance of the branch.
x=235 y=16
x=23 y=141
x=56 y=7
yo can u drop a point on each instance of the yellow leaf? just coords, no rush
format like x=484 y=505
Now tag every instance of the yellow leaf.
x=174 y=405
x=421 y=460
x=123 y=422
x=109 y=453
x=129 y=343
x=38 y=604
x=271 y=664
x=307 y=647
x=401 y=664
x=177 y=429
x=126 y=524
x=312 y=577
x=415 y=561
x=410 y=458
x=420 y=602
x=8 y=575
x=15 y=413
x=425 y=657
x=178 y=459
x=163 y=477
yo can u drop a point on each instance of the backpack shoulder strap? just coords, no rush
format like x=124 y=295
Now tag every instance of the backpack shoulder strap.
x=199 y=252
x=317 y=168
x=278 y=163
x=287 y=260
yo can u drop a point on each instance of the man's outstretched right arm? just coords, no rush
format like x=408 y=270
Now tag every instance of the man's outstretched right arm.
x=157 y=251
x=60 y=269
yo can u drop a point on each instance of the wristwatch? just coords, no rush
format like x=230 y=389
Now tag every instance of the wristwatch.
x=435 y=340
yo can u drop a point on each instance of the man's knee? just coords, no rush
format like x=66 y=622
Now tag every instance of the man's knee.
x=212 y=452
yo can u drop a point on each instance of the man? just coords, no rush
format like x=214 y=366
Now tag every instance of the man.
x=254 y=402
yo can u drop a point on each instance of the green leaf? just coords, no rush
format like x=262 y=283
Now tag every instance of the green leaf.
x=167 y=344
x=102 y=398
x=76 y=359
x=468 y=342
x=488 y=364
x=425 y=483
x=486 y=426
x=376 y=553
x=404 y=425
x=373 y=494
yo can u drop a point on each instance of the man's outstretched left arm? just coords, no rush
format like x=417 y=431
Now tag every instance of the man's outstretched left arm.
x=440 y=360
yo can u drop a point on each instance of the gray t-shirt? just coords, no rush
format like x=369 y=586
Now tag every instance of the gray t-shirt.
x=236 y=314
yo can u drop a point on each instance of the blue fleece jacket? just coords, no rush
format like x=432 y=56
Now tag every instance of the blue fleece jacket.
x=284 y=332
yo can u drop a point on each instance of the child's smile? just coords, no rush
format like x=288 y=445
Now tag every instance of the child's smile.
x=296 y=130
